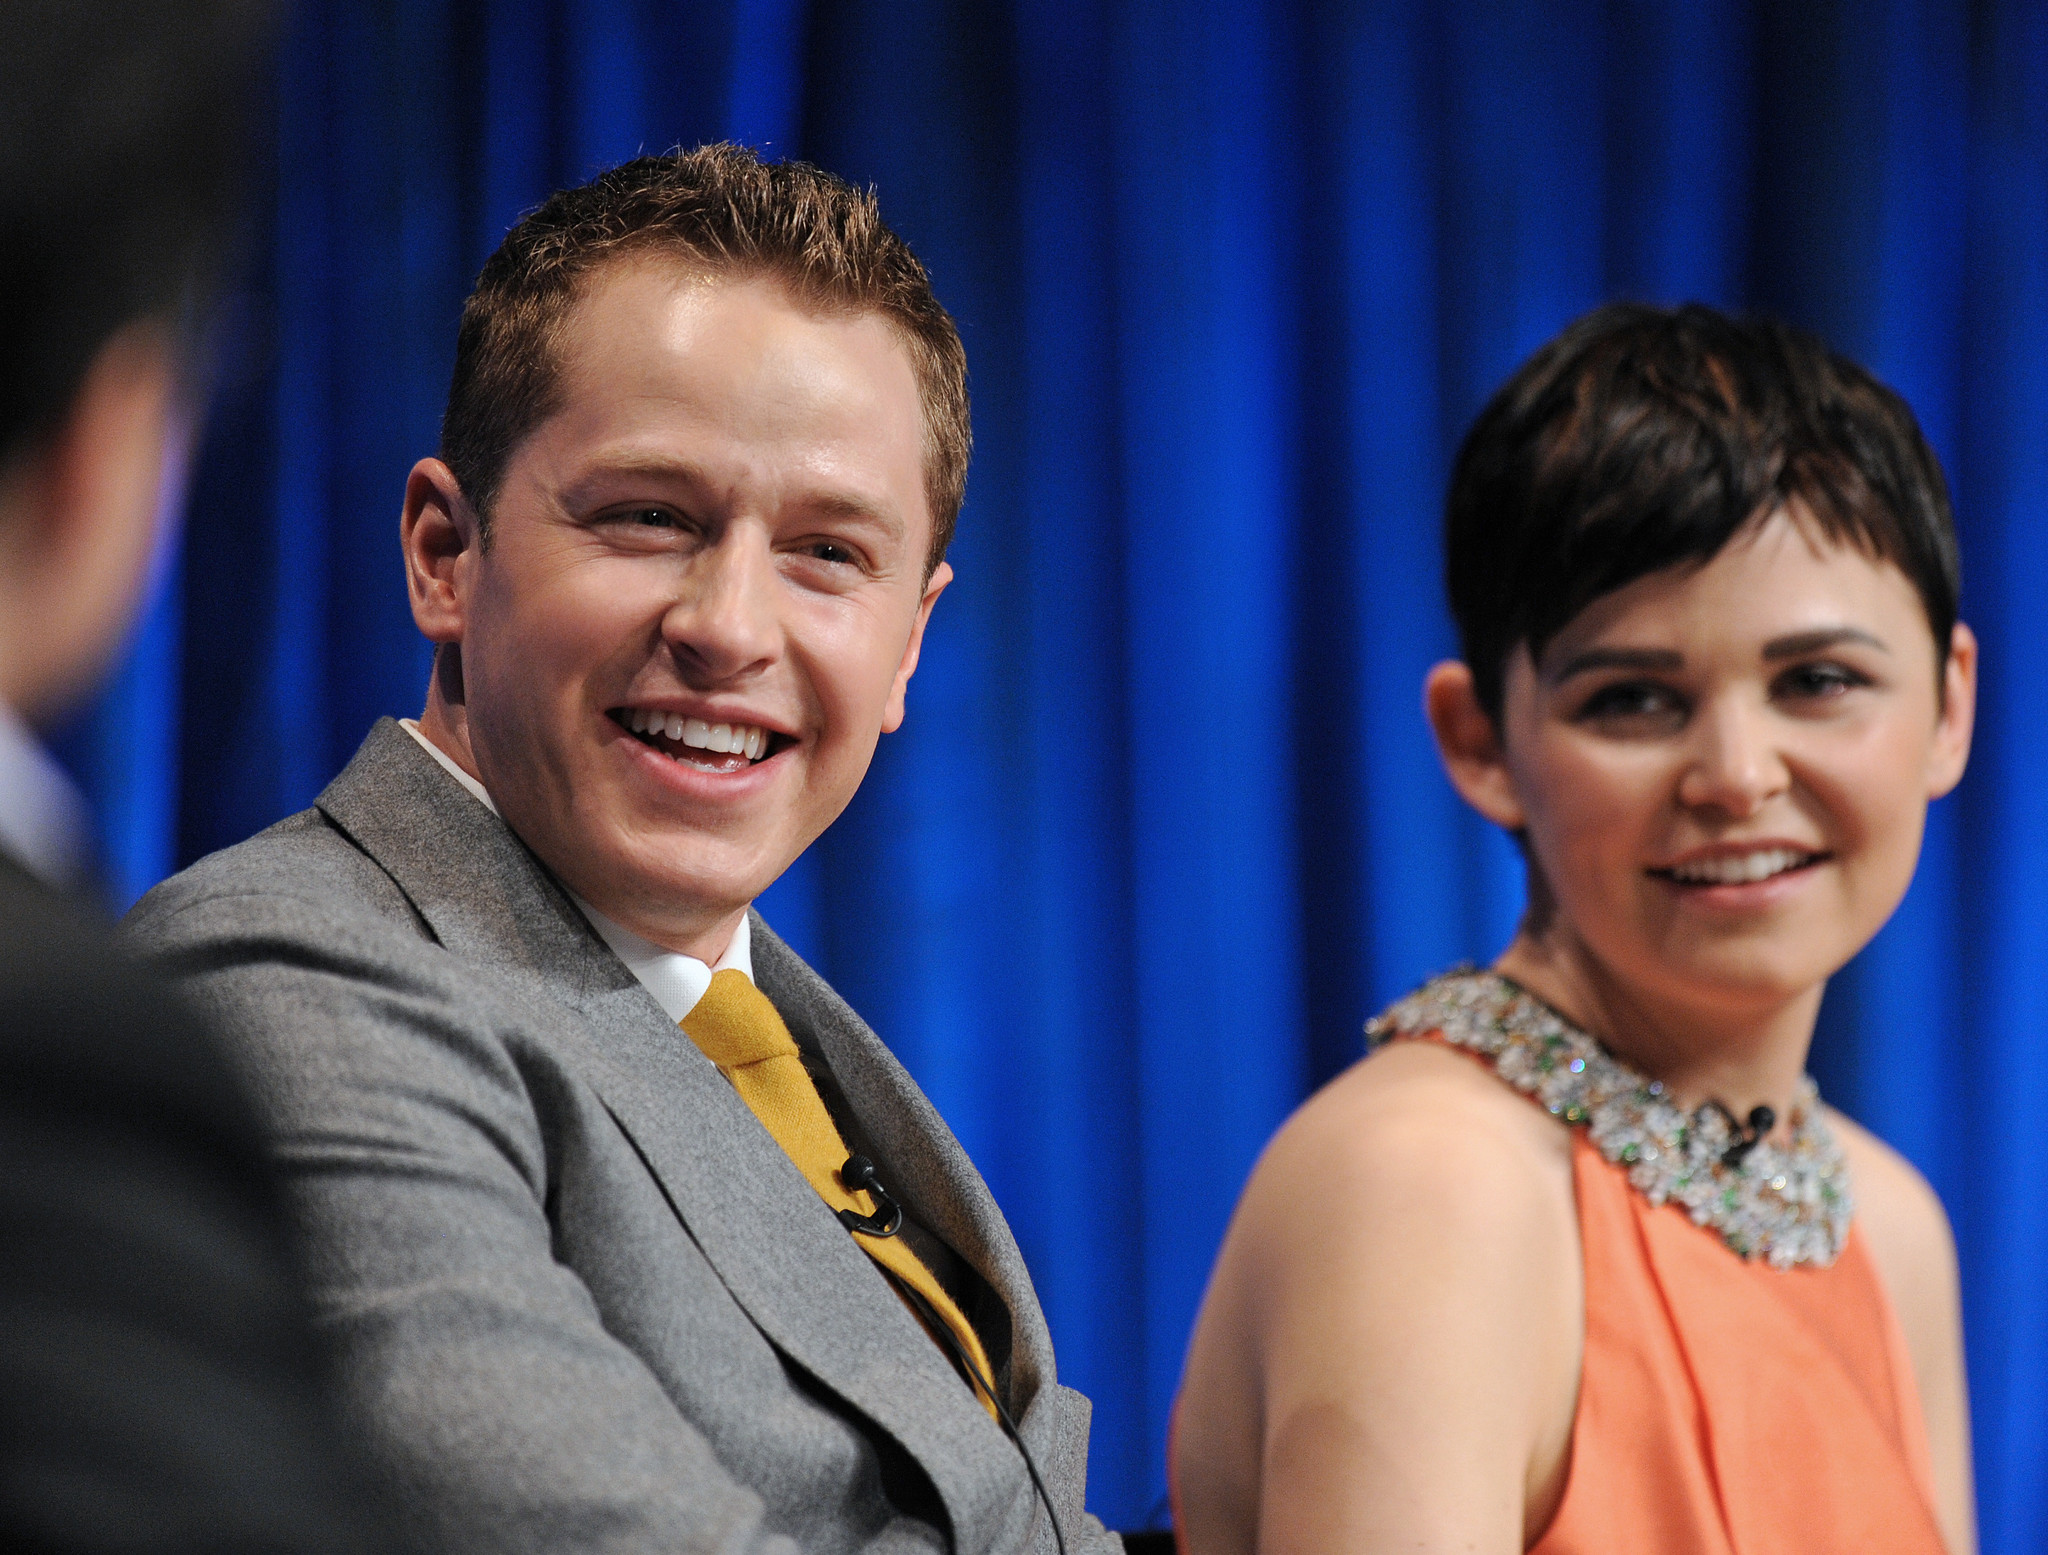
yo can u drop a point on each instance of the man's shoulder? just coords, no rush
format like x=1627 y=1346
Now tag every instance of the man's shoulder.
x=303 y=869
x=327 y=983
x=341 y=861
x=397 y=919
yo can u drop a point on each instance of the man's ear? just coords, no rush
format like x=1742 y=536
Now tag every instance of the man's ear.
x=934 y=586
x=1470 y=745
x=442 y=541
x=1951 y=752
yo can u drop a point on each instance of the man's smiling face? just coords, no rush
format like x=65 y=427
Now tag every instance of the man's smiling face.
x=702 y=598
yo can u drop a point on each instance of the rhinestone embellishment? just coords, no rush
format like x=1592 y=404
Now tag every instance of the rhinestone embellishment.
x=1790 y=1205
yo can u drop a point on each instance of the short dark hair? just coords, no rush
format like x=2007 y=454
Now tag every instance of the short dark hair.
x=723 y=209
x=122 y=157
x=1643 y=438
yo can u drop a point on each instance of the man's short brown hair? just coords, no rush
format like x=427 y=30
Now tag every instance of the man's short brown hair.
x=725 y=210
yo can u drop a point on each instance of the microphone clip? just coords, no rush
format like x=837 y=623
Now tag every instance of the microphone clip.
x=858 y=1174
x=1747 y=1135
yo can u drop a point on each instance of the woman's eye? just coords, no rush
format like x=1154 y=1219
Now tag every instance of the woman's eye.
x=1817 y=681
x=1633 y=701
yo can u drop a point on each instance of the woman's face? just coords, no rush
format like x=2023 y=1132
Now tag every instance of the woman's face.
x=1723 y=772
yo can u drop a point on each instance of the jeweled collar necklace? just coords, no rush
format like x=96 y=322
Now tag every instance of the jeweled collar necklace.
x=1790 y=1205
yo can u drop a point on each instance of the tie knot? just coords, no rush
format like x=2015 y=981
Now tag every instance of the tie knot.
x=736 y=1024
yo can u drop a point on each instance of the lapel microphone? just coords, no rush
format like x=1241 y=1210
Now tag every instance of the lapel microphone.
x=1747 y=1136
x=859 y=1173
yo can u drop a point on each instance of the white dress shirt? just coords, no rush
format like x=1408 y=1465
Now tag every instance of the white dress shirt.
x=43 y=820
x=677 y=981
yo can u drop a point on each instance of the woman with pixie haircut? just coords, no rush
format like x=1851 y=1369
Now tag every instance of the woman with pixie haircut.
x=1576 y=1260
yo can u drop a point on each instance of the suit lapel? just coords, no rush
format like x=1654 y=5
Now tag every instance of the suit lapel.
x=938 y=1182
x=786 y=1261
x=801 y=1278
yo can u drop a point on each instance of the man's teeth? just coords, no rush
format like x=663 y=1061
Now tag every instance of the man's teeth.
x=1740 y=868
x=720 y=739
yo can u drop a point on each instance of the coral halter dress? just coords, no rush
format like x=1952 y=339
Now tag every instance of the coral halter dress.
x=1745 y=1389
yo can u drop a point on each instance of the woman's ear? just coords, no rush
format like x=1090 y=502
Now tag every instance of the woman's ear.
x=1951 y=752
x=1470 y=745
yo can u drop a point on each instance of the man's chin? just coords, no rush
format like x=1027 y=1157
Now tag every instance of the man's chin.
x=671 y=900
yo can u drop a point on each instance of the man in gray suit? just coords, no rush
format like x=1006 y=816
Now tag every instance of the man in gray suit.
x=600 y=1283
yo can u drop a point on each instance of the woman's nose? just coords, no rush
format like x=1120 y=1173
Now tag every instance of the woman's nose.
x=1734 y=764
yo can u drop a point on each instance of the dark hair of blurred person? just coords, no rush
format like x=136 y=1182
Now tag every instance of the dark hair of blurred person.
x=121 y=157
x=159 y=1389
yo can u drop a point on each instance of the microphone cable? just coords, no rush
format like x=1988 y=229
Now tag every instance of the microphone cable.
x=859 y=1173
x=937 y=1325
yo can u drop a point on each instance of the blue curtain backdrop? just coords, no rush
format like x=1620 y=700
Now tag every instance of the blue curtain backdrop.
x=1164 y=825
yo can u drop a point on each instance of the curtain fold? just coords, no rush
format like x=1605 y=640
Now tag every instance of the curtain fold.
x=1164 y=825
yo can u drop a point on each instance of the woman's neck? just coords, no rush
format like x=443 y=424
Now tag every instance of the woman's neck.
x=1738 y=1053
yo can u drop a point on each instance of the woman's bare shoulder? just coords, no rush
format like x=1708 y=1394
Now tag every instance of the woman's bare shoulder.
x=1901 y=1217
x=1421 y=1098
x=1419 y=1140
x=1389 y=1342
x=1895 y=1205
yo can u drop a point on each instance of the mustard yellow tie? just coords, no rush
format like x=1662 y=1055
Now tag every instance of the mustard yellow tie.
x=742 y=1032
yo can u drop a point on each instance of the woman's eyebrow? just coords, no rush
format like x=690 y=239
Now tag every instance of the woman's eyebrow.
x=1799 y=643
x=1618 y=659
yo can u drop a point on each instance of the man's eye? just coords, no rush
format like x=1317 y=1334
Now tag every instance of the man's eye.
x=650 y=518
x=1632 y=700
x=829 y=551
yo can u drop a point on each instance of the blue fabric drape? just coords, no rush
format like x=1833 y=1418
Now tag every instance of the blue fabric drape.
x=1164 y=824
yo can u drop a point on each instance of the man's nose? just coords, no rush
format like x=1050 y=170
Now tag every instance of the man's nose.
x=1733 y=763
x=724 y=621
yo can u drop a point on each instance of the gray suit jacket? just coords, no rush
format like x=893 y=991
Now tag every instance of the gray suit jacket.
x=584 y=1301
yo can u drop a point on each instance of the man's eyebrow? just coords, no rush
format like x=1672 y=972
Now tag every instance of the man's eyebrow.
x=648 y=467
x=1617 y=659
x=837 y=504
x=1798 y=644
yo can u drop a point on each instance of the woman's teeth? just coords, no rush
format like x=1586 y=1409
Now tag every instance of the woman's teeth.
x=1739 y=868
x=720 y=739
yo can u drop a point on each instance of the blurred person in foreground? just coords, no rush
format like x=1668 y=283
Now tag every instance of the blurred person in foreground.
x=159 y=1388
x=1576 y=1260
x=601 y=1283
